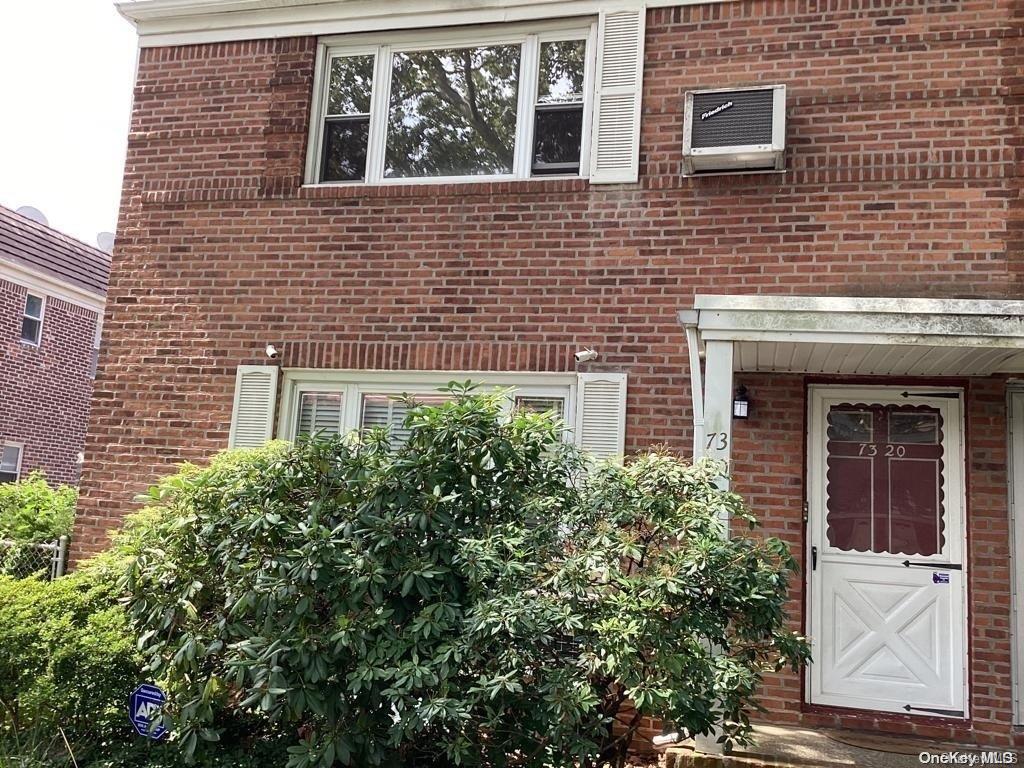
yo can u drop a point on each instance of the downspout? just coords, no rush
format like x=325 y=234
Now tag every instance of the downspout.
x=689 y=319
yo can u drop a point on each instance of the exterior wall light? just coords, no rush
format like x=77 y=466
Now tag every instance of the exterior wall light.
x=740 y=403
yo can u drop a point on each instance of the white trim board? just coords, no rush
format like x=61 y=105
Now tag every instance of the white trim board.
x=39 y=282
x=186 y=22
x=893 y=321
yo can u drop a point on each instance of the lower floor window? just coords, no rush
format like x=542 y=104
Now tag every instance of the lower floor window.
x=10 y=463
x=317 y=405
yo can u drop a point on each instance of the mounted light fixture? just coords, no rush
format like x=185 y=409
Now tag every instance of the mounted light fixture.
x=740 y=403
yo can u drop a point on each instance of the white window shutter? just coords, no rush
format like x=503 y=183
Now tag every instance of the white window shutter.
x=252 y=417
x=601 y=414
x=615 y=147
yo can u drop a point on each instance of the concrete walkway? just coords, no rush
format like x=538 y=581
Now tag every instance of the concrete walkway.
x=777 y=746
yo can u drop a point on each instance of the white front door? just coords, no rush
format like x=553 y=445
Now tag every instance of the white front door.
x=886 y=562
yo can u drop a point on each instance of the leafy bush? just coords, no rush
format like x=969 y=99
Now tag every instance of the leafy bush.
x=471 y=597
x=32 y=512
x=67 y=665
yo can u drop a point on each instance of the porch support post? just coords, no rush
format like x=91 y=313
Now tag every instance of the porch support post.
x=717 y=444
x=718 y=402
x=690 y=318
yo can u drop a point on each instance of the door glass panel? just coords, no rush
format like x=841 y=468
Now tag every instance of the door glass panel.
x=884 y=481
x=914 y=428
x=849 y=426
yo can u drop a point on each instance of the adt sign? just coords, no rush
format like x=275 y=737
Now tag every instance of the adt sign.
x=146 y=705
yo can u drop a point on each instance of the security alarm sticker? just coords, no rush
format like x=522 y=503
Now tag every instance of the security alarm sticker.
x=940 y=578
x=145 y=709
x=716 y=110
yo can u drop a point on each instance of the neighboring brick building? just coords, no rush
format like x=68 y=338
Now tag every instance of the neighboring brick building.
x=52 y=290
x=883 y=261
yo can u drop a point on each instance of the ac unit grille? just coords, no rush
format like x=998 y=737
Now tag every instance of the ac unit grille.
x=747 y=121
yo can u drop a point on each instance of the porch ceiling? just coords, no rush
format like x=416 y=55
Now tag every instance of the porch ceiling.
x=870 y=336
x=875 y=359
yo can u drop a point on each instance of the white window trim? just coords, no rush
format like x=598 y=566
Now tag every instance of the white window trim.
x=21 y=455
x=354 y=384
x=26 y=316
x=529 y=36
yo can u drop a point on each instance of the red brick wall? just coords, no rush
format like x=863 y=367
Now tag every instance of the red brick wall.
x=46 y=389
x=903 y=180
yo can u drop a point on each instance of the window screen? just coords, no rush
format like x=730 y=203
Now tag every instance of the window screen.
x=558 y=120
x=10 y=459
x=319 y=413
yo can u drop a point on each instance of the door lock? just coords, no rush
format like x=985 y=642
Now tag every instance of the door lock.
x=814 y=558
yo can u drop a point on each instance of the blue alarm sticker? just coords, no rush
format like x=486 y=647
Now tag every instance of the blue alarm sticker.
x=940 y=578
x=145 y=708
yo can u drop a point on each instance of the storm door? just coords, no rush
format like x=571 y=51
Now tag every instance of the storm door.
x=886 y=569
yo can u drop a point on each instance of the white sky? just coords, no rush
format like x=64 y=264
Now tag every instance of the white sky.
x=66 y=70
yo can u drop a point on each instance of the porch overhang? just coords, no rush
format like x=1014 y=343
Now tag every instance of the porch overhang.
x=863 y=336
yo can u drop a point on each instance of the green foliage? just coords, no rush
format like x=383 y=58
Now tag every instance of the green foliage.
x=67 y=665
x=471 y=597
x=32 y=512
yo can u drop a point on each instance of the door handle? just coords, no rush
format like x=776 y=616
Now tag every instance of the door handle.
x=939 y=566
x=814 y=558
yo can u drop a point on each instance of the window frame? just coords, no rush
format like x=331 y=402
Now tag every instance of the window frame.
x=382 y=47
x=352 y=385
x=26 y=316
x=21 y=457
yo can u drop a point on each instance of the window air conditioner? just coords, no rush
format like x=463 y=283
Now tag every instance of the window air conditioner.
x=734 y=129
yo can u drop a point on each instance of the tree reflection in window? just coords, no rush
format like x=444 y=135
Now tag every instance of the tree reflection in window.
x=347 y=122
x=452 y=112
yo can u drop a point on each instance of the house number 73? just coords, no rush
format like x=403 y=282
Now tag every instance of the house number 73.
x=717 y=441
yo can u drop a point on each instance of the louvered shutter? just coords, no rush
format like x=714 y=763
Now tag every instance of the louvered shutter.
x=319 y=413
x=601 y=414
x=615 y=147
x=253 y=415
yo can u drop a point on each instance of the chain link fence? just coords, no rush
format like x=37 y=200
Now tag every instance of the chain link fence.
x=22 y=560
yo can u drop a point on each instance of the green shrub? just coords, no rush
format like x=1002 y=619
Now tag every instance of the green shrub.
x=470 y=597
x=67 y=665
x=32 y=512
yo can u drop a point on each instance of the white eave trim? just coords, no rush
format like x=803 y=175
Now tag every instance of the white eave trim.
x=186 y=22
x=37 y=281
x=888 y=321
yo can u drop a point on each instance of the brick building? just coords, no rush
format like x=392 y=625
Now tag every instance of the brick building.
x=296 y=178
x=52 y=290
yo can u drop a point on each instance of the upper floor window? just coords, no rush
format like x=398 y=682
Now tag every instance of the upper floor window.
x=468 y=105
x=32 y=321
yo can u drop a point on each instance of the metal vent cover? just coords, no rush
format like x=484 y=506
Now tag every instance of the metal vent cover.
x=732 y=118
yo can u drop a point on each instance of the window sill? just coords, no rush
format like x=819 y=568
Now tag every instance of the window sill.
x=435 y=187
